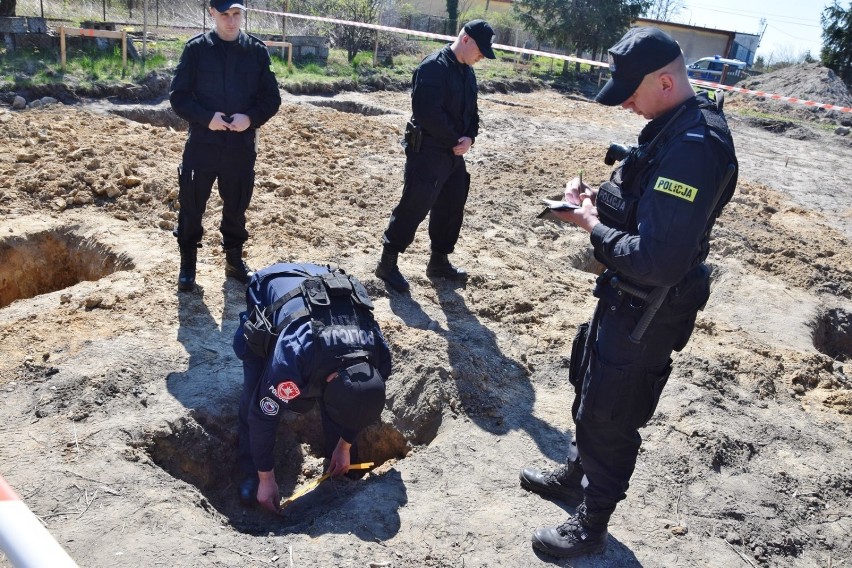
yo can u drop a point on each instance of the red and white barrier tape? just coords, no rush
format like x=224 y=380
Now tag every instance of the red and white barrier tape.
x=547 y=54
x=774 y=97
x=24 y=539
x=430 y=36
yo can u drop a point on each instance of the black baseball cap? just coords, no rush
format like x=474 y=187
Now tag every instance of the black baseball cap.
x=355 y=398
x=639 y=52
x=483 y=34
x=224 y=6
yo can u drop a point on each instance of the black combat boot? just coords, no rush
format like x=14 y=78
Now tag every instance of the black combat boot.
x=235 y=267
x=583 y=533
x=186 y=278
x=564 y=482
x=388 y=271
x=439 y=267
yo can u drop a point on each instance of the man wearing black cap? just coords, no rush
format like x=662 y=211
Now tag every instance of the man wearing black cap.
x=650 y=226
x=224 y=87
x=443 y=127
x=328 y=349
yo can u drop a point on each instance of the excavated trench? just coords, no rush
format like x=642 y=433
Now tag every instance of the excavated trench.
x=832 y=334
x=585 y=260
x=201 y=450
x=162 y=115
x=352 y=107
x=39 y=263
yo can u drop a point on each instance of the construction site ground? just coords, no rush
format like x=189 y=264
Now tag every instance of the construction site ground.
x=118 y=395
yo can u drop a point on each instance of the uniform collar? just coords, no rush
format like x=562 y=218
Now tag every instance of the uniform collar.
x=652 y=128
x=451 y=55
x=214 y=38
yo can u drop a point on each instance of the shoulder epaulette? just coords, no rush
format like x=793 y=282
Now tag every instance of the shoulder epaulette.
x=196 y=37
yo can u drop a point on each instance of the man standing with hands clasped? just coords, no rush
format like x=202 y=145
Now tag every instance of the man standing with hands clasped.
x=224 y=87
x=650 y=227
x=443 y=127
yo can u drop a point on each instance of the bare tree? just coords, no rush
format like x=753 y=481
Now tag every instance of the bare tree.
x=351 y=38
x=663 y=10
x=785 y=56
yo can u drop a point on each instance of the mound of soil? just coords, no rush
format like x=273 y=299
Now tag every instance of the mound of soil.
x=806 y=81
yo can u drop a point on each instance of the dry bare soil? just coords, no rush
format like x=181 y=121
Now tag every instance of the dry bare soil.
x=118 y=396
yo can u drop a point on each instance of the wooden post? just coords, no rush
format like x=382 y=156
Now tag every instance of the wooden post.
x=724 y=74
x=124 y=49
x=284 y=25
x=144 y=32
x=376 y=46
x=518 y=56
x=282 y=45
x=80 y=32
x=62 y=45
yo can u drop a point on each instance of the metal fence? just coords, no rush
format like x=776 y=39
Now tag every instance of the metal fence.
x=192 y=15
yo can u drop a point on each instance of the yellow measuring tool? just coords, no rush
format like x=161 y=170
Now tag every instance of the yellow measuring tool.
x=315 y=483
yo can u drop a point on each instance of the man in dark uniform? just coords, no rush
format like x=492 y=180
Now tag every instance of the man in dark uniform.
x=329 y=350
x=224 y=87
x=443 y=127
x=650 y=226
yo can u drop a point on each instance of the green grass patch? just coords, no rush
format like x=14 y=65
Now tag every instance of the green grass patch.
x=336 y=67
x=28 y=68
x=751 y=113
x=87 y=64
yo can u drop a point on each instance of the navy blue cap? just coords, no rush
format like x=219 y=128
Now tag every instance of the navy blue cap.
x=355 y=398
x=639 y=52
x=483 y=34
x=224 y=6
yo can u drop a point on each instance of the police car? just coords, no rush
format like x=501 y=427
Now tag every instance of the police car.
x=711 y=69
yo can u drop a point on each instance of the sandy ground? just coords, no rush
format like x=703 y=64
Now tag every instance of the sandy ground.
x=118 y=395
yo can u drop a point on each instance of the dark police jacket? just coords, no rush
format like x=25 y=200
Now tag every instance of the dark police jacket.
x=230 y=77
x=443 y=99
x=671 y=200
x=292 y=376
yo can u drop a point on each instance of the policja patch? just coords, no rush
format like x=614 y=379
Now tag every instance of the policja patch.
x=676 y=188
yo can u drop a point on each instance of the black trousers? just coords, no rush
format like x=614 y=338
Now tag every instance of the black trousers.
x=618 y=383
x=204 y=164
x=436 y=181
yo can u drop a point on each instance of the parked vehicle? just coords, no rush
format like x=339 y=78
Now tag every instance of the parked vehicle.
x=714 y=69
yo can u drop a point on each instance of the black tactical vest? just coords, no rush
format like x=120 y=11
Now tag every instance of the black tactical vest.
x=618 y=198
x=342 y=324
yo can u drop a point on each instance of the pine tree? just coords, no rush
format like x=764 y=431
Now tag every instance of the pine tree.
x=836 y=51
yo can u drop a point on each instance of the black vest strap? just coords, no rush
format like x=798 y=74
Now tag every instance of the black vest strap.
x=317 y=289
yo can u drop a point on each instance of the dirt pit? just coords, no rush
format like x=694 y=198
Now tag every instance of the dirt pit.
x=833 y=334
x=45 y=262
x=119 y=395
